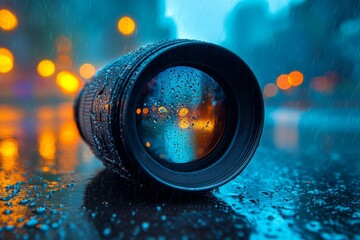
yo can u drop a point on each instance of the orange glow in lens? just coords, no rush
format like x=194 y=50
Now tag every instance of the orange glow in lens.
x=145 y=111
x=162 y=109
x=203 y=125
x=184 y=124
x=183 y=112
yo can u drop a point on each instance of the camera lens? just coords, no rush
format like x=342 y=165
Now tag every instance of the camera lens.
x=183 y=114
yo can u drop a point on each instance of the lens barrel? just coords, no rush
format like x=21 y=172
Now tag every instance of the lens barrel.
x=183 y=114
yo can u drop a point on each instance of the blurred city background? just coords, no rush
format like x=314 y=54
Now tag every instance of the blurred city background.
x=305 y=54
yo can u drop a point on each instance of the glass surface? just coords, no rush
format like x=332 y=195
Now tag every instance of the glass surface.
x=181 y=115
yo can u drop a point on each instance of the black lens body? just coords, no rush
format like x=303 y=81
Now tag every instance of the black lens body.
x=105 y=112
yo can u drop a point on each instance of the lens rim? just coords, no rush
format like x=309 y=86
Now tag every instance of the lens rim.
x=227 y=160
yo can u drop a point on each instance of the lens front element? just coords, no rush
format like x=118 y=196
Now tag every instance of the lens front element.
x=181 y=115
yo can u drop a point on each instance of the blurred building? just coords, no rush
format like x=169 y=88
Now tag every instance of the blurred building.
x=311 y=37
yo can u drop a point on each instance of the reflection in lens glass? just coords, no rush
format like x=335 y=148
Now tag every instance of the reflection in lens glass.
x=181 y=115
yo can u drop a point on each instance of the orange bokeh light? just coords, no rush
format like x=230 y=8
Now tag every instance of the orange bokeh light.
x=126 y=25
x=296 y=78
x=203 y=125
x=162 y=109
x=6 y=52
x=6 y=60
x=183 y=112
x=8 y=20
x=184 y=123
x=87 y=70
x=145 y=111
x=283 y=82
x=46 y=68
x=68 y=82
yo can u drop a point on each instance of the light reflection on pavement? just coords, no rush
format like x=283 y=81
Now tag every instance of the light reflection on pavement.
x=303 y=182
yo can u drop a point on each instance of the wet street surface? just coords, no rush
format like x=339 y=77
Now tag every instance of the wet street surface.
x=303 y=183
